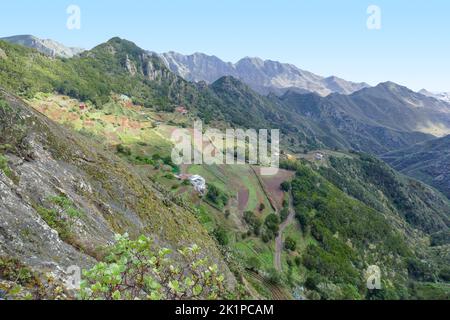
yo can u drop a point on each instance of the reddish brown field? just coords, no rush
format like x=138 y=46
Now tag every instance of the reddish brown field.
x=243 y=195
x=272 y=185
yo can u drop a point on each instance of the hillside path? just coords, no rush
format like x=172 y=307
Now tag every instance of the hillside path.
x=279 y=238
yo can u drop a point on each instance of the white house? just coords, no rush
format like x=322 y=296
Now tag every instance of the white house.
x=319 y=156
x=199 y=183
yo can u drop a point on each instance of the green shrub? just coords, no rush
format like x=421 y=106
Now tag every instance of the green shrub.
x=61 y=216
x=222 y=236
x=123 y=150
x=274 y=276
x=216 y=196
x=284 y=213
x=253 y=264
x=139 y=269
x=3 y=104
x=253 y=221
x=286 y=186
x=143 y=160
x=290 y=244
x=4 y=166
x=272 y=224
x=56 y=222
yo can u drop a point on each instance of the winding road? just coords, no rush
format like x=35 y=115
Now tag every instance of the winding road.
x=279 y=238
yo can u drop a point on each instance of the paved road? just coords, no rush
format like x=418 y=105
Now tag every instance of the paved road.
x=279 y=239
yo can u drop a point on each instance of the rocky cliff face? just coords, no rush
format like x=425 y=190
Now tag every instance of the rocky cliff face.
x=63 y=198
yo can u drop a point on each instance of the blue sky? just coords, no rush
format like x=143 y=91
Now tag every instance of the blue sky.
x=323 y=36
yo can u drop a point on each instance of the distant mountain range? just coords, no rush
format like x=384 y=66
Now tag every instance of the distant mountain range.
x=45 y=46
x=444 y=96
x=385 y=117
x=377 y=119
x=263 y=76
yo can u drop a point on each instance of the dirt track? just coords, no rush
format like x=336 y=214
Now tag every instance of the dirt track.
x=279 y=238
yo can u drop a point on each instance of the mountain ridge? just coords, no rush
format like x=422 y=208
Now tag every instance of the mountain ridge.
x=444 y=96
x=263 y=76
x=335 y=121
x=385 y=117
x=46 y=46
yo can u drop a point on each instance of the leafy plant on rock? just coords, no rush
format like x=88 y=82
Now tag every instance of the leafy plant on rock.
x=139 y=269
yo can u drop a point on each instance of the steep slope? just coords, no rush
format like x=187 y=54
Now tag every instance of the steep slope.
x=428 y=161
x=46 y=46
x=244 y=107
x=416 y=112
x=354 y=210
x=444 y=96
x=263 y=76
x=365 y=178
x=63 y=197
x=378 y=119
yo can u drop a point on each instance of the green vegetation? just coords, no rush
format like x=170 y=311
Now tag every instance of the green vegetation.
x=217 y=196
x=430 y=291
x=253 y=264
x=272 y=224
x=91 y=77
x=138 y=269
x=3 y=104
x=18 y=282
x=349 y=236
x=440 y=238
x=250 y=248
x=427 y=162
x=4 y=166
x=286 y=186
x=13 y=270
x=222 y=236
x=284 y=213
x=365 y=178
x=290 y=244
x=61 y=216
x=253 y=221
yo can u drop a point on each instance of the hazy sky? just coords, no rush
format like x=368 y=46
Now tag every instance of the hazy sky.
x=327 y=37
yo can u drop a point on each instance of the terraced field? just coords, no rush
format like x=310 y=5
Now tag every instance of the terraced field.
x=116 y=123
